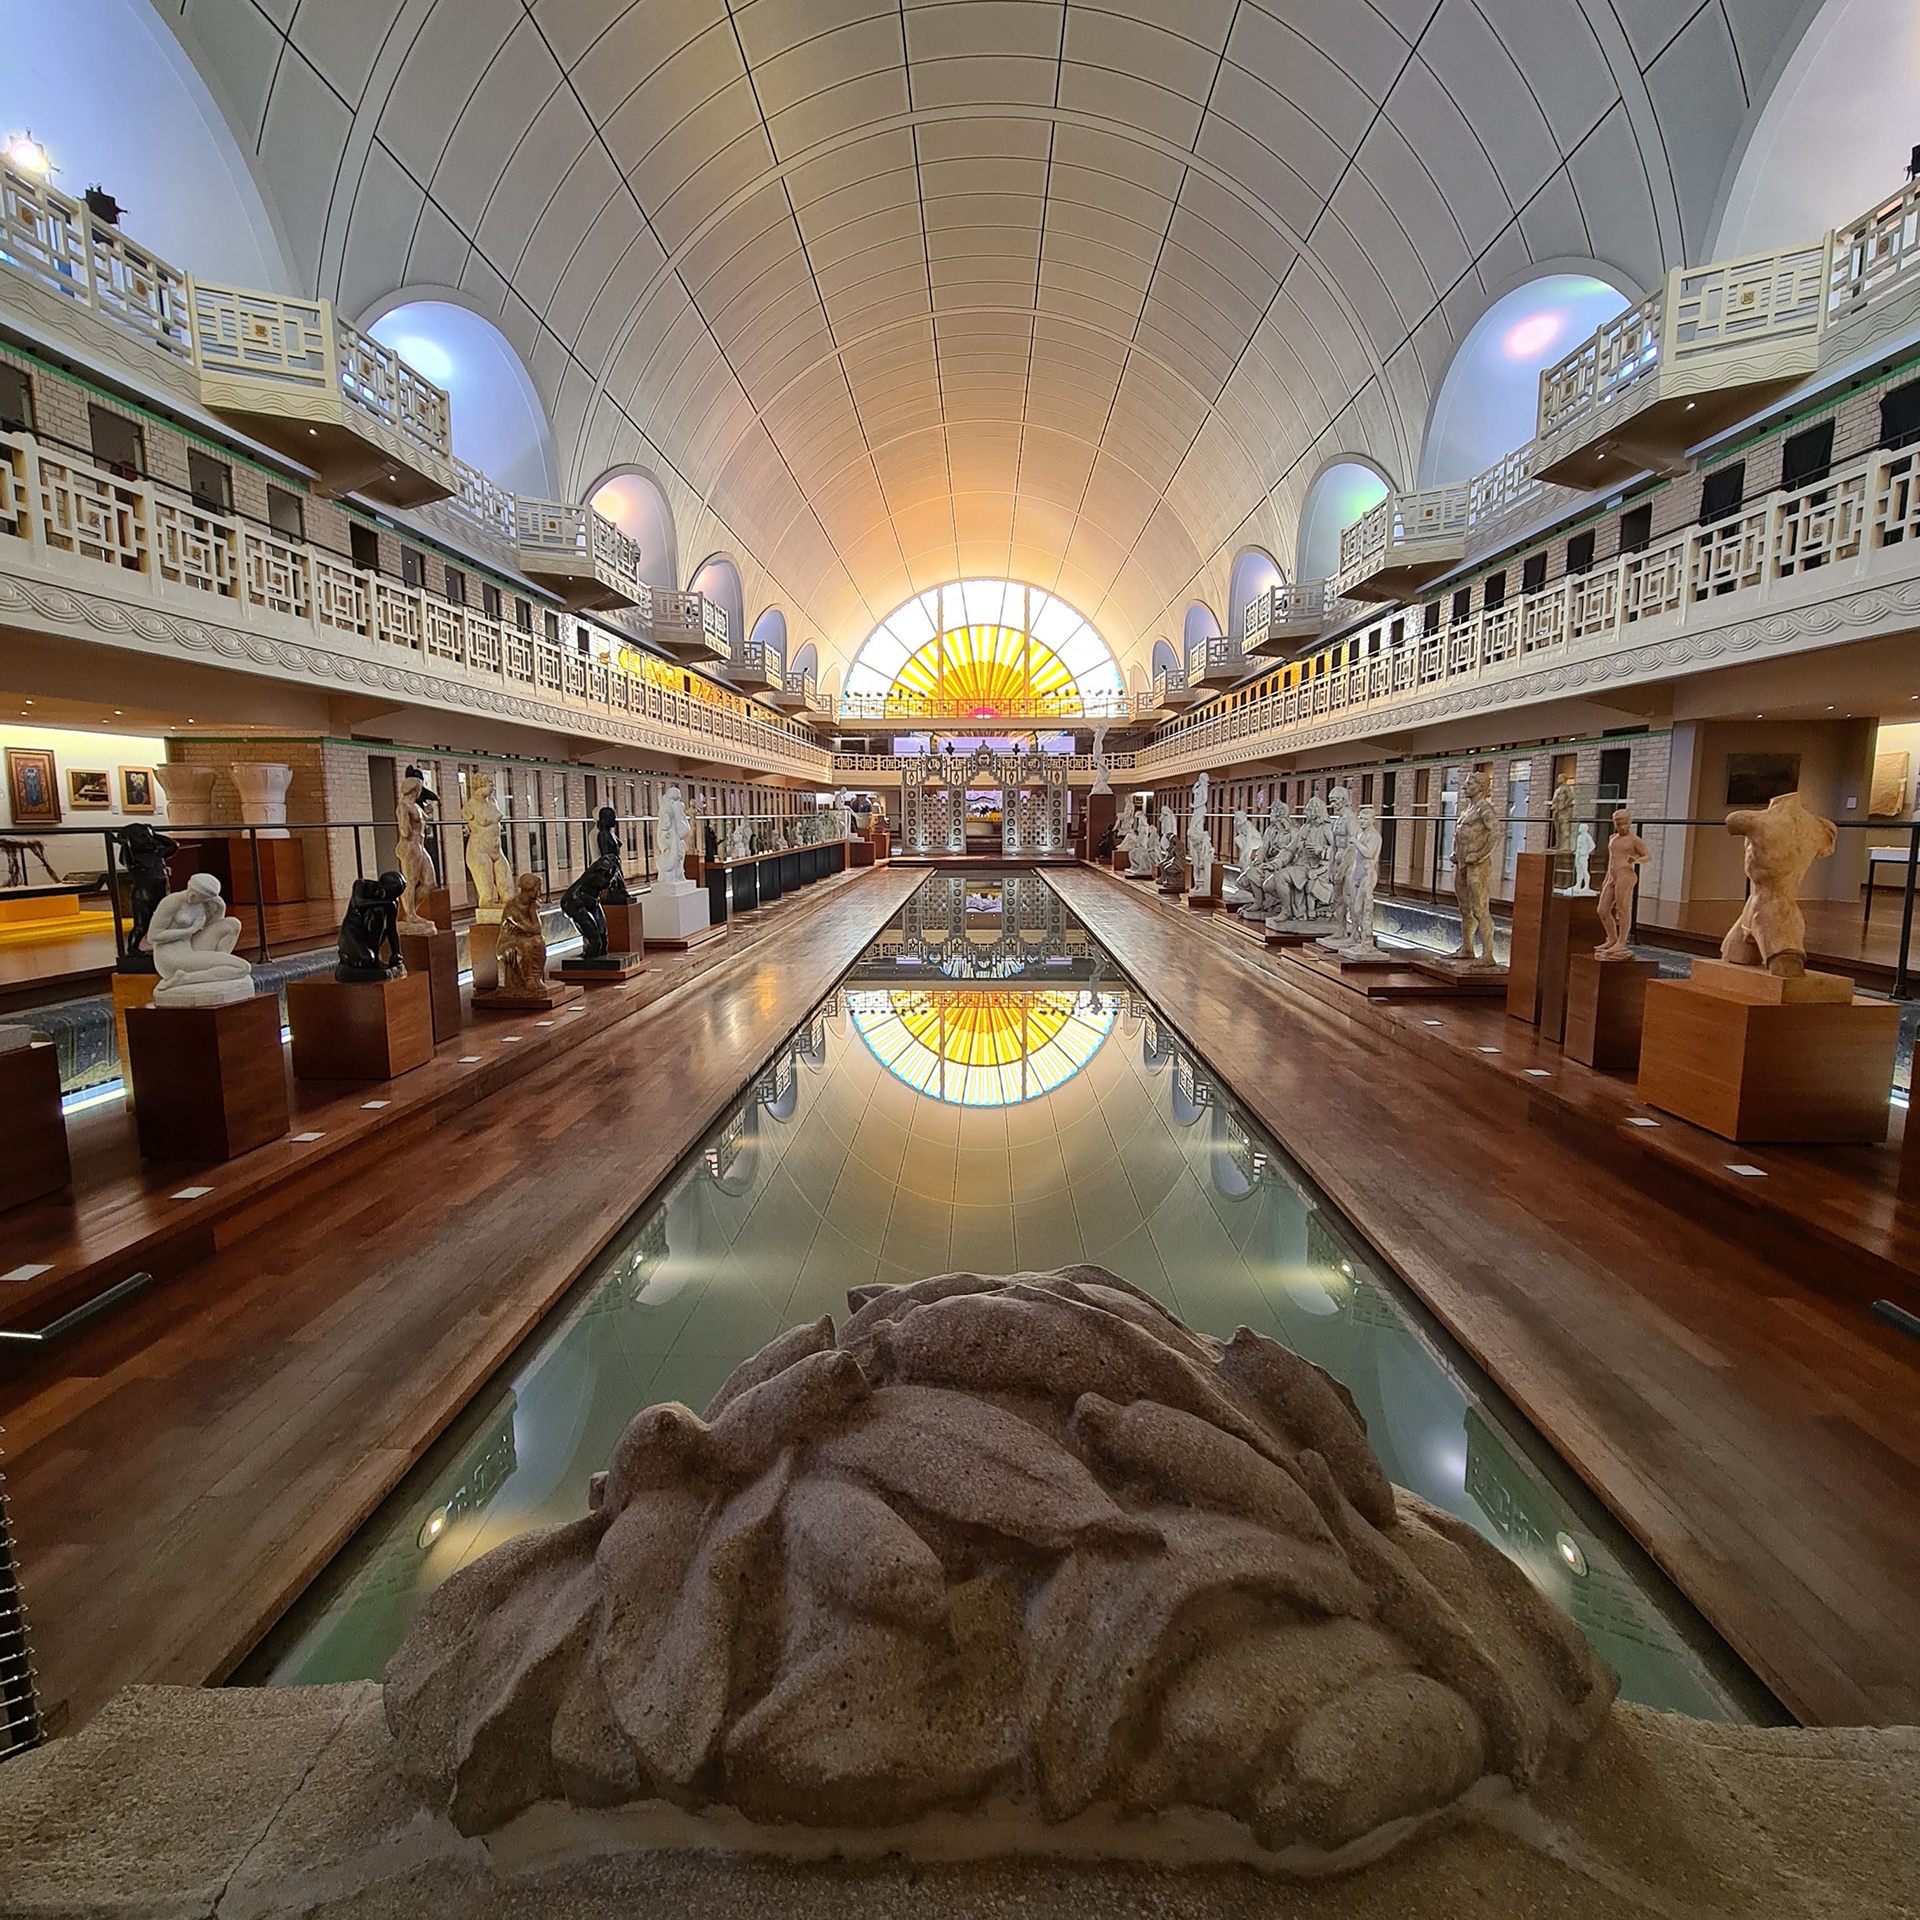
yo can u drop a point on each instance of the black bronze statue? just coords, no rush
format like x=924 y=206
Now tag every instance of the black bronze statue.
x=370 y=932
x=144 y=854
x=606 y=841
x=582 y=902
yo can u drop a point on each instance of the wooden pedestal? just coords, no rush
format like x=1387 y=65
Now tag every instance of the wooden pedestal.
x=360 y=1029
x=1572 y=926
x=283 y=872
x=33 y=1135
x=436 y=904
x=1809 y=1071
x=882 y=841
x=624 y=929
x=859 y=853
x=129 y=990
x=210 y=1083
x=608 y=971
x=436 y=958
x=483 y=950
x=1102 y=813
x=1605 y=1001
x=1209 y=901
x=1532 y=889
x=551 y=996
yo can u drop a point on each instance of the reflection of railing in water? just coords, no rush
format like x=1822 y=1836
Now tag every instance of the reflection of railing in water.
x=19 y=1703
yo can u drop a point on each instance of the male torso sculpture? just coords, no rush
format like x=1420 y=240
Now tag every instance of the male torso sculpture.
x=1475 y=833
x=1783 y=840
x=370 y=931
x=1625 y=851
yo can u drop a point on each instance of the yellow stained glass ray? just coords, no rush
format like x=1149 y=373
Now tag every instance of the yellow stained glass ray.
x=984 y=1049
x=993 y=669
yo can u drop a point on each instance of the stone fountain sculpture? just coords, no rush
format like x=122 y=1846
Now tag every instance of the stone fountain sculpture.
x=1626 y=852
x=411 y=855
x=1784 y=838
x=192 y=939
x=487 y=863
x=1476 y=833
x=1022 y=1551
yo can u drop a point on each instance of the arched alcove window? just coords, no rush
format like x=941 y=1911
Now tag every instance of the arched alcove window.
x=1489 y=402
x=806 y=660
x=770 y=638
x=1254 y=571
x=110 y=95
x=1165 y=660
x=499 y=424
x=632 y=500
x=1341 y=492
x=1200 y=625
x=1833 y=135
x=990 y=647
x=719 y=581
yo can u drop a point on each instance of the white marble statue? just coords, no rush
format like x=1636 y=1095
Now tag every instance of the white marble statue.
x=1141 y=843
x=1313 y=862
x=411 y=854
x=1200 y=847
x=1167 y=858
x=487 y=864
x=1235 y=889
x=1363 y=875
x=1582 y=886
x=1339 y=859
x=843 y=806
x=740 y=842
x=1102 y=766
x=1270 y=879
x=676 y=832
x=191 y=937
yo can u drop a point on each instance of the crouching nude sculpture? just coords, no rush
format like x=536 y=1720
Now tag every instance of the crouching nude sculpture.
x=1025 y=1549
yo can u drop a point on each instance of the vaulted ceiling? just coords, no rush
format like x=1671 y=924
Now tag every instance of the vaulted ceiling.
x=890 y=291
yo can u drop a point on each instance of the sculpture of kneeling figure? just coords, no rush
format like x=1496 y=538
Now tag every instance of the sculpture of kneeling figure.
x=522 y=952
x=191 y=937
x=370 y=931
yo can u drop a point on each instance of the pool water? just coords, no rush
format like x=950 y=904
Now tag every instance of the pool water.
x=984 y=1091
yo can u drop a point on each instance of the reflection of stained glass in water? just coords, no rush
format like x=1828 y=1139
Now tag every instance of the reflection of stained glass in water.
x=989 y=1049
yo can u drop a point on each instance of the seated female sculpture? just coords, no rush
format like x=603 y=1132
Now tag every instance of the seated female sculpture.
x=522 y=952
x=191 y=937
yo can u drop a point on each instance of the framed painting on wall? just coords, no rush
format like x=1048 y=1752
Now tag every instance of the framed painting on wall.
x=136 y=790
x=1755 y=778
x=33 y=787
x=89 y=788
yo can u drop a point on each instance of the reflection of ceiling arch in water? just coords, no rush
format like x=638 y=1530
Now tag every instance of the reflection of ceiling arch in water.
x=995 y=1048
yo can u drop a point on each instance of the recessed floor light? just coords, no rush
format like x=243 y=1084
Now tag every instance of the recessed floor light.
x=1538 y=1073
x=1433 y=1023
x=543 y=1023
x=1488 y=1049
x=374 y=1106
x=31 y=1271
x=301 y=1139
x=1636 y=1121
x=192 y=1193
x=469 y=1060
x=1746 y=1172
x=510 y=1039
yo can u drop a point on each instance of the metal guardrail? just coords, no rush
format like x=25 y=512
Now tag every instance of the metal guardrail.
x=19 y=1697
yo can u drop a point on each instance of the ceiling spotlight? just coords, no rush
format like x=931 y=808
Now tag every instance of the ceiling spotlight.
x=26 y=153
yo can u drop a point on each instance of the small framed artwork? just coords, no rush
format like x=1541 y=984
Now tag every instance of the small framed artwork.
x=136 y=790
x=1755 y=778
x=89 y=788
x=33 y=787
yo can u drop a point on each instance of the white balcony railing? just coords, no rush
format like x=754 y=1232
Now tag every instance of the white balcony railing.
x=1838 y=527
x=912 y=708
x=1217 y=660
x=1295 y=610
x=1399 y=528
x=66 y=522
x=853 y=763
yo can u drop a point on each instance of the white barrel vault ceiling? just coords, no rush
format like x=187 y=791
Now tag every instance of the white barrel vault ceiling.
x=890 y=291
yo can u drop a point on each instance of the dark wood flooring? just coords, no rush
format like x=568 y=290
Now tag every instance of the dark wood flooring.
x=1755 y=1430
x=181 y=1468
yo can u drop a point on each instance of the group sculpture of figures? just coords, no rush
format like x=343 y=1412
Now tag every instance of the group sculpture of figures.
x=1141 y=841
x=1311 y=873
x=412 y=858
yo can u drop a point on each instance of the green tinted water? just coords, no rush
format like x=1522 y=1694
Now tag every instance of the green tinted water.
x=984 y=1092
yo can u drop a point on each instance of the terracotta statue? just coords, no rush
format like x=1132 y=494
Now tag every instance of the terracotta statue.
x=487 y=863
x=411 y=856
x=192 y=939
x=1565 y=800
x=676 y=834
x=1102 y=766
x=1625 y=852
x=606 y=847
x=144 y=854
x=1783 y=841
x=1476 y=832
x=584 y=904
x=522 y=953
x=370 y=931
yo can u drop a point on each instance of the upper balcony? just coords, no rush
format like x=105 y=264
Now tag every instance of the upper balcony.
x=1171 y=693
x=758 y=668
x=1705 y=350
x=1216 y=661
x=798 y=693
x=1290 y=612
x=687 y=625
x=581 y=555
x=1028 y=708
x=289 y=371
x=1395 y=548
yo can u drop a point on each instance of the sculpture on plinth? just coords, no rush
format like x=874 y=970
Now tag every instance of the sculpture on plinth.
x=675 y=836
x=1238 y=891
x=1582 y=887
x=740 y=842
x=411 y=855
x=1476 y=834
x=1200 y=848
x=144 y=853
x=369 y=945
x=584 y=903
x=487 y=863
x=1783 y=840
x=522 y=953
x=1022 y=1540
x=1142 y=843
x=192 y=939
x=843 y=806
x=1267 y=878
x=1563 y=807
x=1626 y=851
x=1363 y=875
x=1169 y=863
x=1339 y=861
x=1102 y=766
x=606 y=847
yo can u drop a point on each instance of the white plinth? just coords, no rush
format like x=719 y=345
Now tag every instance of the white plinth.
x=674 y=910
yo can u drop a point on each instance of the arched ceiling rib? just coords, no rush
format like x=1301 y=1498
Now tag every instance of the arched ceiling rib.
x=891 y=292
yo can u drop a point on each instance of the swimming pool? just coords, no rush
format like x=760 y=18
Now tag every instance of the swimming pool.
x=985 y=1091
